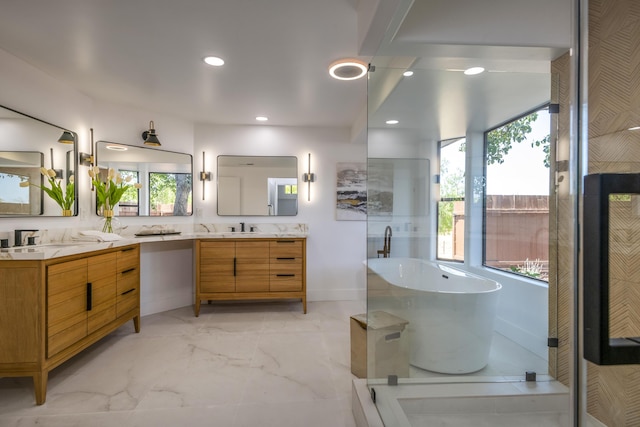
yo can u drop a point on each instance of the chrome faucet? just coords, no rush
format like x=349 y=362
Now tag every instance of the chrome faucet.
x=386 y=249
x=17 y=239
x=242 y=227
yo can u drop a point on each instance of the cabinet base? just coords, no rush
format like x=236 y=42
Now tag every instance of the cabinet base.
x=252 y=297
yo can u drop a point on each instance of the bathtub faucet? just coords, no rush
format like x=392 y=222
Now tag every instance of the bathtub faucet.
x=386 y=249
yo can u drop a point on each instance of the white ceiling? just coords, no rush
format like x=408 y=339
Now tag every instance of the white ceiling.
x=148 y=54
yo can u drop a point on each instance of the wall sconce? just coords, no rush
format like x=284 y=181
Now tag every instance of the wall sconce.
x=150 y=137
x=309 y=178
x=57 y=171
x=67 y=138
x=204 y=176
x=87 y=159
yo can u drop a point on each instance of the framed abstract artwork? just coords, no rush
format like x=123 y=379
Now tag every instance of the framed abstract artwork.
x=351 y=191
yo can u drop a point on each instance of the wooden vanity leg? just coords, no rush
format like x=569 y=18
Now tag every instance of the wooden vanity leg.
x=196 y=308
x=136 y=324
x=40 y=386
x=304 y=305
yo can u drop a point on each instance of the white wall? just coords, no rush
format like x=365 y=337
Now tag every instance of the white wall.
x=335 y=249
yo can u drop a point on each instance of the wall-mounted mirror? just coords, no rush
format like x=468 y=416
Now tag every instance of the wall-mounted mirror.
x=26 y=145
x=166 y=178
x=257 y=185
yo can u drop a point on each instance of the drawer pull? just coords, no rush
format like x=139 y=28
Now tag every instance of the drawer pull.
x=285 y=241
x=89 y=299
x=285 y=258
x=235 y=262
x=129 y=270
x=127 y=249
x=285 y=275
x=128 y=292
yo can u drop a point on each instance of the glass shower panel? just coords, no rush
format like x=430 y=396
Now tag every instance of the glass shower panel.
x=432 y=320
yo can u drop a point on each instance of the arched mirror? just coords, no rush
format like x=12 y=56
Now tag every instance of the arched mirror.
x=27 y=145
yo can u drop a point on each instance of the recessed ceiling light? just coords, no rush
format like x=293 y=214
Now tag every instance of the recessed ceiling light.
x=348 y=69
x=392 y=122
x=473 y=71
x=214 y=60
x=408 y=73
x=262 y=118
x=634 y=128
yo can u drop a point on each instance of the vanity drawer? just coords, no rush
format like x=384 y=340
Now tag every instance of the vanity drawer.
x=127 y=300
x=285 y=248
x=128 y=258
x=127 y=290
x=286 y=277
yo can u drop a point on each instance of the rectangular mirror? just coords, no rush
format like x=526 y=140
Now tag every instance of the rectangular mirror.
x=166 y=178
x=258 y=185
x=26 y=145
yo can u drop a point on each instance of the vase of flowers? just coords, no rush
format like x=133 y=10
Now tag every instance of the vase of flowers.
x=63 y=196
x=109 y=191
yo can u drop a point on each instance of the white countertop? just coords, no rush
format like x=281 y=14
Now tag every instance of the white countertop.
x=69 y=247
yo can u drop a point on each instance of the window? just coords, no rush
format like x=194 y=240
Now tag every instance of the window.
x=290 y=189
x=451 y=203
x=169 y=194
x=516 y=208
x=129 y=204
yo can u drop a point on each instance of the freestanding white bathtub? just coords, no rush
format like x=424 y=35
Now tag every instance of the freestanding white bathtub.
x=450 y=312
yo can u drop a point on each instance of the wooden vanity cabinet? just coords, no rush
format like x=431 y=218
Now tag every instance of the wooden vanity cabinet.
x=51 y=310
x=249 y=269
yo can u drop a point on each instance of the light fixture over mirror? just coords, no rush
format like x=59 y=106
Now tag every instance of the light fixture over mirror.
x=67 y=138
x=150 y=137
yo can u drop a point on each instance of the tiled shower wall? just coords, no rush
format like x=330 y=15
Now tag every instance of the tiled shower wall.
x=613 y=392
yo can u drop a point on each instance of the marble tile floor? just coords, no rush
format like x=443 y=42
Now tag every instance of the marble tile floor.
x=241 y=364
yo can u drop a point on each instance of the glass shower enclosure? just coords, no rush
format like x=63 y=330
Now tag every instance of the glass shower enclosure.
x=470 y=214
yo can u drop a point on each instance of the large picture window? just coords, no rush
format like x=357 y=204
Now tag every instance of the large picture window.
x=451 y=202
x=516 y=209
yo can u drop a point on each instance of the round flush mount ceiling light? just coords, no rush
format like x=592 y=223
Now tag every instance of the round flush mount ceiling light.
x=262 y=118
x=473 y=71
x=348 y=69
x=214 y=61
x=392 y=122
x=408 y=73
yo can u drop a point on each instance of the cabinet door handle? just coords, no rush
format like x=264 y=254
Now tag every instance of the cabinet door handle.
x=285 y=275
x=127 y=249
x=234 y=265
x=285 y=258
x=89 y=298
x=285 y=241
x=129 y=270
x=128 y=292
